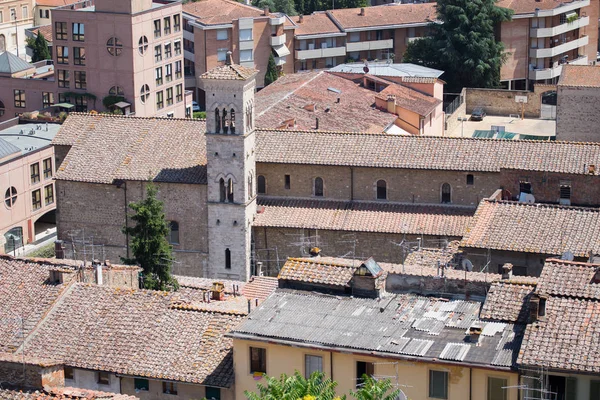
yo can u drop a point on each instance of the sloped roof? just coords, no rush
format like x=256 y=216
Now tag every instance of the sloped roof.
x=508 y=302
x=567 y=278
x=6 y=149
x=260 y=287
x=216 y=12
x=107 y=148
x=580 y=76
x=11 y=64
x=410 y=99
x=396 y=14
x=534 y=228
x=529 y=6
x=62 y=393
x=315 y=23
x=46 y=30
x=55 y=3
x=229 y=72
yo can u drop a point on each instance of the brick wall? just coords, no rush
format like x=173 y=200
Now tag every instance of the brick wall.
x=30 y=376
x=427 y=285
x=529 y=264
x=577 y=116
x=502 y=102
x=515 y=37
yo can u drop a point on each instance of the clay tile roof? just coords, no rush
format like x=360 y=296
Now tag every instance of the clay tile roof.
x=572 y=279
x=217 y=12
x=507 y=302
x=397 y=14
x=62 y=393
x=424 y=152
x=107 y=148
x=580 y=76
x=260 y=287
x=534 y=228
x=46 y=30
x=26 y=294
x=567 y=338
x=316 y=23
x=529 y=6
x=363 y=217
x=193 y=282
x=327 y=271
x=229 y=72
x=287 y=98
x=410 y=99
x=138 y=333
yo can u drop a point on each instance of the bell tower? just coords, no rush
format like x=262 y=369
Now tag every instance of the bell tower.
x=231 y=170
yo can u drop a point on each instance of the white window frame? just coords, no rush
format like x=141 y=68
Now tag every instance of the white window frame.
x=222 y=34
x=222 y=54
x=246 y=35
x=243 y=55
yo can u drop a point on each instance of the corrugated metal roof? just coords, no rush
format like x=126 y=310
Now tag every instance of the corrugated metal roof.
x=455 y=351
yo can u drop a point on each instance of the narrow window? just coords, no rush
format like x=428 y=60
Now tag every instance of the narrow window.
x=470 y=179
x=217 y=121
x=157 y=28
x=174 y=232
x=142 y=385
x=438 y=384
x=287 y=181
x=169 y=388
x=250 y=186
x=49 y=194
x=230 y=191
x=446 y=193
x=35 y=172
x=227 y=259
x=312 y=364
x=565 y=190
x=78 y=32
x=36 y=199
x=258 y=360
x=103 y=378
x=232 y=121
x=363 y=368
x=496 y=388
x=381 y=190
x=319 y=187
x=262 y=185
x=222 y=190
x=224 y=122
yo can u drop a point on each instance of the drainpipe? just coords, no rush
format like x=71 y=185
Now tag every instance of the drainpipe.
x=331 y=364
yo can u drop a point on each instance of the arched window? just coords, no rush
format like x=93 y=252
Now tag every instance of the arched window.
x=2 y=43
x=470 y=179
x=2 y=109
x=173 y=232
x=250 y=186
x=318 y=186
x=232 y=123
x=446 y=193
x=144 y=93
x=227 y=259
x=217 y=121
x=143 y=45
x=114 y=46
x=116 y=91
x=230 y=191
x=381 y=190
x=10 y=197
x=225 y=122
x=262 y=185
x=222 y=191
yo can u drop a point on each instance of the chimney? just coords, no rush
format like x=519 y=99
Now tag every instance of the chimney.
x=98 y=269
x=534 y=305
x=391 y=103
x=317 y=123
x=217 y=291
x=507 y=271
x=300 y=18
x=314 y=251
x=362 y=11
x=475 y=332
x=259 y=270
x=266 y=11
x=59 y=249
x=229 y=59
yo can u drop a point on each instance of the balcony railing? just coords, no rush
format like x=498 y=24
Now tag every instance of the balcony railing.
x=559 y=29
x=549 y=73
x=370 y=45
x=278 y=40
x=562 y=48
x=319 y=53
x=566 y=7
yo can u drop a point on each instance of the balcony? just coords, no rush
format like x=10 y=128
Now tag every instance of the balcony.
x=320 y=53
x=559 y=29
x=188 y=35
x=556 y=50
x=279 y=20
x=574 y=5
x=188 y=55
x=278 y=40
x=371 y=45
x=550 y=73
x=279 y=61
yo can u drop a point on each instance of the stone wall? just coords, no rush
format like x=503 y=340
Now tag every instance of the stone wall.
x=577 y=116
x=502 y=102
x=428 y=285
x=16 y=374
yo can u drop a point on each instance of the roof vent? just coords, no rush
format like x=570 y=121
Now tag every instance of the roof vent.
x=229 y=59
x=592 y=169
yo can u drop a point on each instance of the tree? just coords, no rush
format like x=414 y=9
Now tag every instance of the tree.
x=148 y=241
x=272 y=73
x=296 y=387
x=463 y=43
x=39 y=46
x=373 y=389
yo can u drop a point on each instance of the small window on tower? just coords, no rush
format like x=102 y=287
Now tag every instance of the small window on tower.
x=227 y=259
x=287 y=181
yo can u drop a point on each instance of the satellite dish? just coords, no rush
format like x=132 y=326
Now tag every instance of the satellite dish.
x=567 y=256
x=467 y=265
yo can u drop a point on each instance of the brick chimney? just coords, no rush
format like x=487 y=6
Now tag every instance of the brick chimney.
x=391 y=103
x=266 y=11
x=362 y=11
x=300 y=18
x=475 y=332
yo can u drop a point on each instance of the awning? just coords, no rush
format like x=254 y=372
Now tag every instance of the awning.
x=122 y=104
x=281 y=50
x=64 y=105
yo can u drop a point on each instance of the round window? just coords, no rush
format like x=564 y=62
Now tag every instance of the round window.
x=144 y=93
x=143 y=45
x=10 y=197
x=114 y=46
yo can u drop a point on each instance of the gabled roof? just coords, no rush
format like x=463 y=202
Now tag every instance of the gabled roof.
x=580 y=76
x=569 y=279
x=62 y=393
x=316 y=23
x=396 y=14
x=387 y=69
x=217 y=12
x=46 y=30
x=410 y=99
x=11 y=64
x=530 y=6
x=534 y=228
x=507 y=301
x=229 y=72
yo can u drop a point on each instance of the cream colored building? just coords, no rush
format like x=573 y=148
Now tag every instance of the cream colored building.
x=15 y=17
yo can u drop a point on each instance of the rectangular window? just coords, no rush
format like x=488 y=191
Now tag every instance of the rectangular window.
x=47 y=168
x=13 y=14
x=24 y=12
x=222 y=54
x=179 y=93
x=245 y=34
x=177 y=46
x=312 y=364
x=157 y=28
x=176 y=23
x=258 y=360
x=49 y=194
x=19 y=98
x=188 y=45
x=81 y=104
x=69 y=373
x=496 y=389
x=246 y=55
x=173 y=237
x=167 y=25
x=363 y=368
x=158 y=76
x=287 y=181
x=1 y=16
x=222 y=34
x=158 y=53
x=159 y=100
x=169 y=72
x=60 y=30
x=594 y=390
x=47 y=99
x=142 y=385
x=62 y=55
x=80 y=80
x=565 y=190
x=213 y=393
x=62 y=98
x=169 y=96
x=79 y=55
x=36 y=199
x=354 y=37
x=78 y=32
x=178 y=69
x=169 y=388
x=63 y=78
x=168 y=51
x=103 y=378
x=35 y=172
x=438 y=384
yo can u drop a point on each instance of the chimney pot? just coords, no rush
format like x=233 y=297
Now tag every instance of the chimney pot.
x=362 y=11
x=259 y=270
x=229 y=60
x=300 y=19
x=266 y=10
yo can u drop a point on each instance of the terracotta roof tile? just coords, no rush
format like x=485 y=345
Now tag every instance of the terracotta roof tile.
x=572 y=279
x=507 y=302
x=229 y=72
x=410 y=99
x=580 y=76
x=260 y=287
x=534 y=228
x=55 y=3
x=529 y=6
x=107 y=148
x=216 y=12
x=320 y=271
x=363 y=217
x=62 y=393
x=315 y=23
x=194 y=282
x=46 y=31
x=396 y=14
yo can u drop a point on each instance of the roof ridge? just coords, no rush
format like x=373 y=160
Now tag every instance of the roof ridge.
x=542 y=205
x=318 y=261
x=102 y=115
x=574 y=263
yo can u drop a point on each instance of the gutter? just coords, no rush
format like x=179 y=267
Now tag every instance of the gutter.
x=163 y=380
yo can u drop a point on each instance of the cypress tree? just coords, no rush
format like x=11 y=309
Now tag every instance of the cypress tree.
x=271 y=74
